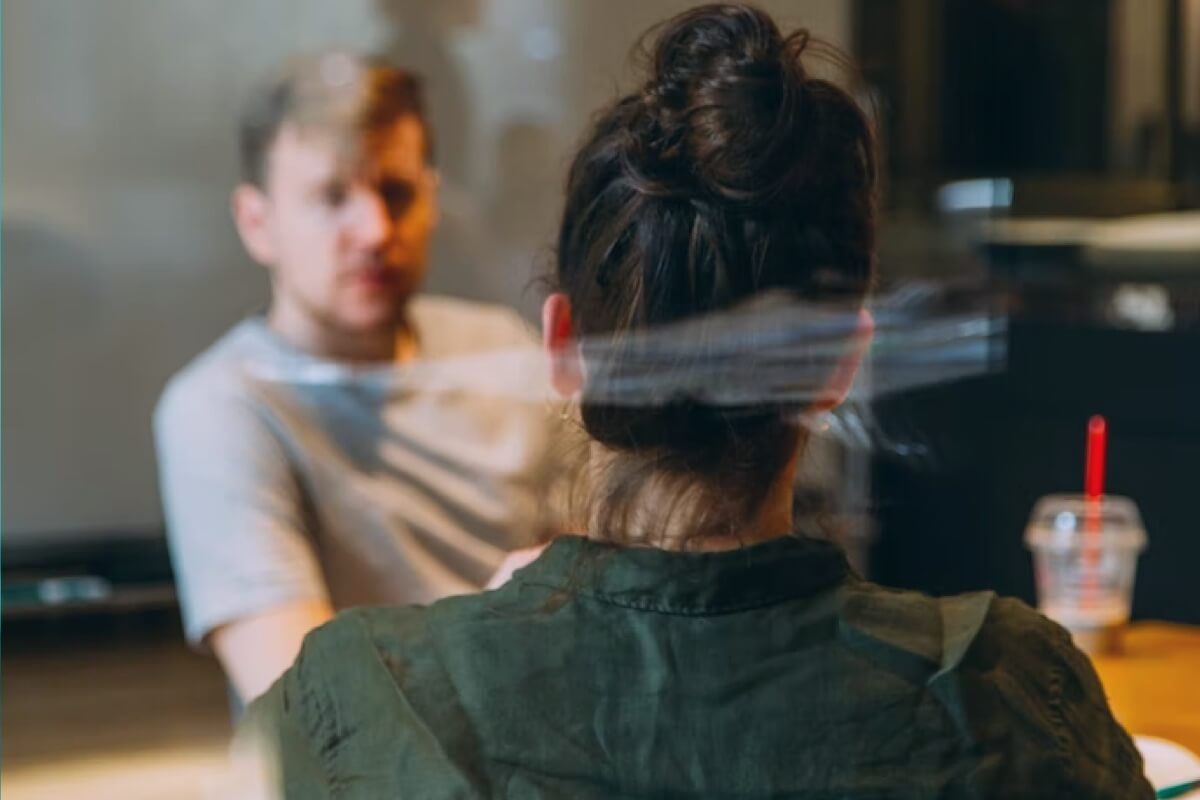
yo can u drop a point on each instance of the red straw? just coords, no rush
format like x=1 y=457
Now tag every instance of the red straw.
x=1097 y=441
x=1093 y=489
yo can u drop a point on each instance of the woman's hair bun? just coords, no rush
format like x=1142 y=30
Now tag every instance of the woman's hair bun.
x=725 y=97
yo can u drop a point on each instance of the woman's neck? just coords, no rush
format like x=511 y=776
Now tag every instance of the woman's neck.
x=669 y=515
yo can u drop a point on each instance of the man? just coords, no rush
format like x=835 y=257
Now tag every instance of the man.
x=306 y=463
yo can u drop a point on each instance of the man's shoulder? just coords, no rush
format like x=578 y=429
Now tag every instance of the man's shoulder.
x=447 y=307
x=214 y=379
x=470 y=325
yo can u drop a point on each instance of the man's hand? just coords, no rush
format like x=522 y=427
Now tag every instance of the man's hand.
x=256 y=650
x=513 y=562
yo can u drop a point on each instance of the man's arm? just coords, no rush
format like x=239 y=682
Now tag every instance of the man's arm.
x=256 y=650
x=249 y=580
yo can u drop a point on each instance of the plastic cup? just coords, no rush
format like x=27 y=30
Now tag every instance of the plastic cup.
x=1085 y=553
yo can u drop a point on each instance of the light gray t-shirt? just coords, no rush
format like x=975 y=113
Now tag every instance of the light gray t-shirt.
x=287 y=478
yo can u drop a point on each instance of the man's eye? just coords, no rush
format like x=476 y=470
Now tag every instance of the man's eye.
x=398 y=195
x=335 y=195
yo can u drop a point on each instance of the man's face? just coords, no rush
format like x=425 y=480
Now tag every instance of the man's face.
x=346 y=242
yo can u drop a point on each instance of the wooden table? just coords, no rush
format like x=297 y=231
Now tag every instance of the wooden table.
x=1154 y=684
x=110 y=706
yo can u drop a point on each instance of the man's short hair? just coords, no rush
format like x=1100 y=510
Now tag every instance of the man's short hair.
x=338 y=93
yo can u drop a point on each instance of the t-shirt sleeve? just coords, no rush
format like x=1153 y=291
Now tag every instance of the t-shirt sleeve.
x=235 y=515
x=1035 y=704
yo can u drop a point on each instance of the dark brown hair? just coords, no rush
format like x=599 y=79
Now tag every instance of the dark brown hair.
x=731 y=172
x=338 y=92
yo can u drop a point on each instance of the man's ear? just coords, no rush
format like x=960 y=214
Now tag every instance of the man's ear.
x=435 y=198
x=842 y=380
x=252 y=215
x=561 y=346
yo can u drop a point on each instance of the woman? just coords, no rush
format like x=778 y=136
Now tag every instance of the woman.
x=689 y=642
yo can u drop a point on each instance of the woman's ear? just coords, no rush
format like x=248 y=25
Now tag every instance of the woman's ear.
x=842 y=380
x=561 y=347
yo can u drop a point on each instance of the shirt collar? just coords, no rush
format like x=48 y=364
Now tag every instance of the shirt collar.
x=692 y=583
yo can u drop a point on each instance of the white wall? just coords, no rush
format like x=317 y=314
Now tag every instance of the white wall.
x=119 y=259
x=120 y=262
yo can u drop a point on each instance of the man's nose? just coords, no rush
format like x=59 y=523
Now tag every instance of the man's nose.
x=372 y=222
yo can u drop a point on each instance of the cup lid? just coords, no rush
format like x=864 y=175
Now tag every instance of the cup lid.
x=1062 y=520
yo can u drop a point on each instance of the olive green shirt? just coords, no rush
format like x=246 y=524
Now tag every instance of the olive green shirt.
x=770 y=671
